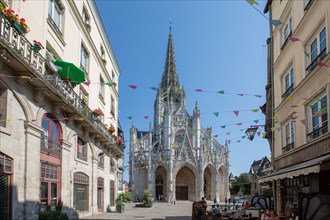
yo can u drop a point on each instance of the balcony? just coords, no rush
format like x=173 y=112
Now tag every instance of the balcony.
x=288 y=92
x=287 y=148
x=314 y=63
x=317 y=132
x=29 y=67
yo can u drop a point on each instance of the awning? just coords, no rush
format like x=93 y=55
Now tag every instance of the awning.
x=69 y=71
x=304 y=168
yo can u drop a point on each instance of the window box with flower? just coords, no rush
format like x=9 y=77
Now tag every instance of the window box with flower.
x=19 y=24
x=111 y=129
x=37 y=46
x=120 y=140
x=98 y=112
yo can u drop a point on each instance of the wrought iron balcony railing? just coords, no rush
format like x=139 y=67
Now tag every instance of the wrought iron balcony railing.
x=288 y=147
x=288 y=91
x=50 y=146
x=314 y=62
x=317 y=132
x=23 y=51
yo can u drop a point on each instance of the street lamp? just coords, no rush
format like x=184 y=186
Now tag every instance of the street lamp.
x=250 y=132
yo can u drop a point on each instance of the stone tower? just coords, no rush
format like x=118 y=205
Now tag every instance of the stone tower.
x=177 y=157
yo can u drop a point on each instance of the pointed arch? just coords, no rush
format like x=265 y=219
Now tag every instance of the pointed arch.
x=185 y=182
x=222 y=185
x=160 y=182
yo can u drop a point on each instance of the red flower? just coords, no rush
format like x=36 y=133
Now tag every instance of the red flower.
x=37 y=42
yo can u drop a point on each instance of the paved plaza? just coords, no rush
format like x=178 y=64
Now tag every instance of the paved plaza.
x=180 y=211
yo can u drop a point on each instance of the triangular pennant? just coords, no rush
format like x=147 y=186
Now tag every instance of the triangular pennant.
x=303 y=121
x=130 y=117
x=146 y=117
x=255 y=110
x=223 y=126
x=239 y=123
x=258 y=133
x=259 y=96
x=215 y=136
x=216 y=114
x=276 y=22
x=154 y=88
x=307 y=54
x=236 y=113
x=199 y=90
x=294 y=39
x=238 y=141
x=109 y=84
x=243 y=136
x=241 y=94
x=227 y=133
x=322 y=64
x=81 y=119
x=278 y=129
x=221 y=92
x=25 y=77
x=132 y=86
x=252 y=2
x=256 y=121
x=87 y=83
x=293 y=106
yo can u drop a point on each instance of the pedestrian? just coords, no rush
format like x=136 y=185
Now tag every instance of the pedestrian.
x=229 y=201
x=226 y=201
x=215 y=200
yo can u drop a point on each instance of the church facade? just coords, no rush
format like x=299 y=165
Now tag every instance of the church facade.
x=177 y=157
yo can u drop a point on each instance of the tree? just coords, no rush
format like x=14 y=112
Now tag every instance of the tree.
x=242 y=183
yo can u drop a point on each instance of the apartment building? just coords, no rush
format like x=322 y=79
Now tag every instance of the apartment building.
x=299 y=81
x=60 y=138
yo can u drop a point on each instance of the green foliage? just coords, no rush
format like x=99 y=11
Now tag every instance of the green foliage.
x=53 y=215
x=122 y=198
x=242 y=183
x=147 y=198
x=59 y=205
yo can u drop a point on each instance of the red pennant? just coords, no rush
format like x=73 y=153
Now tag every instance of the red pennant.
x=322 y=64
x=87 y=83
x=146 y=117
x=236 y=112
x=169 y=135
x=197 y=114
x=133 y=86
x=294 y=106
x=294 y=39
x=258 y=133
x=303 y=121
x=294 y=118
x=208 y=129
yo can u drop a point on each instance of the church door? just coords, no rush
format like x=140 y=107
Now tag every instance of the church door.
x=181 y=192
x=159 y=191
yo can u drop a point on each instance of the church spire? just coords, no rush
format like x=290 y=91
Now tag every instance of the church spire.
x=170 y=77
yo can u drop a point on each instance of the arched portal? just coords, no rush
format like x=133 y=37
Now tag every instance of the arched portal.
x=160 y=183
x=185 y=183
x=208 y=184
x=222 y=179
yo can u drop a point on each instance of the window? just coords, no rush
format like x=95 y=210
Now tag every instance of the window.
x=6 y=164
x=100 y=163
x=307 y=4
x=112 y=166
x=112 y=110
x=112 y=193
x=101 y=88
x=6 y=186
x=55 y=14
x=318 y=118
x=84 y=59
x=81 y=150
x=288 y=82
x=80 y=191
x=49 y=190
x=84 y=97
x=86 y=19
x=286 y=31
x=289 y=133
x=3 y=105
x=50 y=139
x=317 y=50
x=102 y=53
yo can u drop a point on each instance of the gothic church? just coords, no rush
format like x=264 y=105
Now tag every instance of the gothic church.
x=177 y=157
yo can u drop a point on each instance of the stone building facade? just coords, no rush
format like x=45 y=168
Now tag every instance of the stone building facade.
x=177 y=157
x=298 y=80
x=54 y=138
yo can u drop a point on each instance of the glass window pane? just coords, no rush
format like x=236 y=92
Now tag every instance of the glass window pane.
x=323 y=41
x=80 y=197
x=314 y=50
x=315 y=117
x=44 y=193
x=53 y=193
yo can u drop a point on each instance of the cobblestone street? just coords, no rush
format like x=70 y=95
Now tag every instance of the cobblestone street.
x=180 y=211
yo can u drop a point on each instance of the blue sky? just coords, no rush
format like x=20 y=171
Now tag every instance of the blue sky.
x=219 y=45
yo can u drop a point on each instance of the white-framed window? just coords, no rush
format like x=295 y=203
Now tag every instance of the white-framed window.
x=317 y=49
x=84 y=59
x=81 y=150
x=286 y=31
x=55 y=13
x=288 y=135
x=102 y=52
x=112 y=110
x=101 y=88
x=288 y=83
x=318 y=117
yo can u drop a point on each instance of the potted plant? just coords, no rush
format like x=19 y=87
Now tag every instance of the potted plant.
x=147 y=198
x=98 y=112
x=37 y=46
x=120 y=140
x=111 y=129
x=120 y=202
x=24 y=26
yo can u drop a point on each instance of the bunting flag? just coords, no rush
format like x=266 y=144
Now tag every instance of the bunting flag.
x=154 y=88
x=264 y=135
x=276 y=22
x=289 y=97
x=239 y=123
x=81 y=119
x=227 y=133
x=238 y=141
x=236 y=113
x=294 y=117
x=132 y=86
x=215 y=136
x=255 y=110
x=216 y=114
x=256 y=121
x=169 y=135
x=110 y=84
x=130 y=117
x=162 y=116
x=303 y=121
x=223 y=126
x=199 y=90
x=259 y=96
x=177 y=89
x=322 y=64
x=243 y=136
x=252 y=2
x=197 y=114
x=25 y=77
x=87 y=83
x=240 y=94
x=293 y=106
x=208 y=129
x=146 y=117
x=258 y=133
x=294 y=39
x=278 y=129
x=307 y=54
x=221 y=92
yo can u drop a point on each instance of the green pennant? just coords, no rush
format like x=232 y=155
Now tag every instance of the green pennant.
x=130 y=117
x=221 y=92
x=223 y=126
x=216 y=114
x=109 y=84
x=307 y=54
